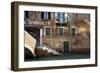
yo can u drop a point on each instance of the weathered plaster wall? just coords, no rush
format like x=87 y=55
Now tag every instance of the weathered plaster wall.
x=80 y=21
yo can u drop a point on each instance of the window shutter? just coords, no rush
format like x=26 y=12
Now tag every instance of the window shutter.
x=45 y=15
x=26 y=14
x=63 y=17
x=49 y=15
x=42 y=15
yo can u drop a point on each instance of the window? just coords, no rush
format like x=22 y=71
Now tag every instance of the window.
x=26 y=14
x=61 y=31
x=47 y=31
x=45 y=15
x=61 y=18
x=73 y=31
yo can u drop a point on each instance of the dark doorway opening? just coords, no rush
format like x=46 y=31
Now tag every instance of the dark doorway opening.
x=66 y=47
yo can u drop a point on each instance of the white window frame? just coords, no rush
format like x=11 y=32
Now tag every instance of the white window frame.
x=66 y=16
x=46 y=16
x=45 y=31
x=75 y=31
x=63 y=32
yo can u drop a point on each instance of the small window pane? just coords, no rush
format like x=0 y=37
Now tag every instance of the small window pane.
x=63 y=17
x=47 y=31
x=73 y=30
x=59 y=17
x=61 y=32
x=45 y=15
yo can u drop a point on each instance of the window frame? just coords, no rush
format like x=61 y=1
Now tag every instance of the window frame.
x=45 y=31
x=47 y=15
x=75 y=31
x=63 y=31
x=61 y=17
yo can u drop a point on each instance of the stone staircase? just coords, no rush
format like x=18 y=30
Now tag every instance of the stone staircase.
x=49 y=50
x=30 y=44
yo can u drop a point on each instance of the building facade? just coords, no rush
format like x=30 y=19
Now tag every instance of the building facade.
x=62 y=31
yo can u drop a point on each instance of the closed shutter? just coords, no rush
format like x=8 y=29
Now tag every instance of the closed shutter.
x=26 y=14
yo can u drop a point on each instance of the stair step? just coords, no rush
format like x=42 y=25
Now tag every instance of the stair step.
x=49 y=50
